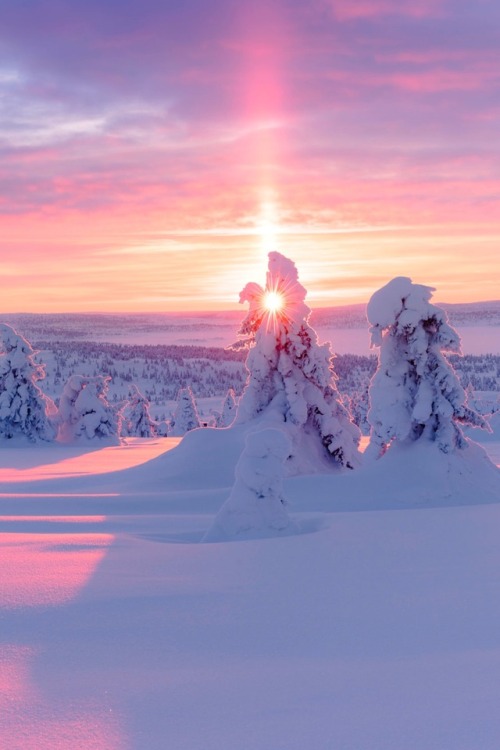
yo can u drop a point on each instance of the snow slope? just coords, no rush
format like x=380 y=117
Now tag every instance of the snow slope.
x=375 y=628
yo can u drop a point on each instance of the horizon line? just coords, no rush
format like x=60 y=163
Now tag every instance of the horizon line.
x=219 y=311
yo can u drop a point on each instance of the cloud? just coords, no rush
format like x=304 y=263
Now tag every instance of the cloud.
x=359 y=9
x=120 y=122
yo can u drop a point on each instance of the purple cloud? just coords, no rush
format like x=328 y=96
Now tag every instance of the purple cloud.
x=163 y=116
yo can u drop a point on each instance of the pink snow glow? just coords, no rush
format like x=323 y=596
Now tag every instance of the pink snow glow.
x=53 y=519
x=69 y=562
x=28 y=721
x=47 y=570
x=101 y=461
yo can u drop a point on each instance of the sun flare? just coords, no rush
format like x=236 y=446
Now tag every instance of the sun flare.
x=273 y=302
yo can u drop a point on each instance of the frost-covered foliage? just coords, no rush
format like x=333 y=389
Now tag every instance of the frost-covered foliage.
x=84 y=412
x=228 y=413
x=186 y=416
x=291 y=378
x=484 y=404
x=256 y=504
x=415 y=392
x=360 y=405
x=158 y=371
x=162 y=428
x=494 y=423
x=24 y=409
x=137 y=421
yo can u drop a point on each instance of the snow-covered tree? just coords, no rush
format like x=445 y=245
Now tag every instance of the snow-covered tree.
x=415 y=393
x=84 y=411
x=137 y=419
x=185 y=416
x=360 y=404
x=494 y=425
x=256 y=504
x=228 y=413
x=291 y=377
x=162 y=429
x=24 y=409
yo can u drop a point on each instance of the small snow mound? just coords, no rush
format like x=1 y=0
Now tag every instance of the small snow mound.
x=419 y=474
x=255 y=507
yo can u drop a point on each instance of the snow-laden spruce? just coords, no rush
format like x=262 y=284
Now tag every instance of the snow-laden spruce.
x=415 y=393
x=359 y=406
x=185 y=416
x=137 y=421
x=24 y=409
x=255 y=506
x=84 y=412
x=227 y=416
x=162 y=428
x=291 y=377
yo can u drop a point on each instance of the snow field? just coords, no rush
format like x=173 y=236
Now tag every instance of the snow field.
x=373 y=628
x=264 y=586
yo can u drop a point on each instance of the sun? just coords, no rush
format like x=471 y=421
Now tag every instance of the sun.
x=273 y=302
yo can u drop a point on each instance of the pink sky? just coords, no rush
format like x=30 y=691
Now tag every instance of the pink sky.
x=152 y=154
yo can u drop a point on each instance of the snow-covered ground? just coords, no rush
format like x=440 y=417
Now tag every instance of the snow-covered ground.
x=377 y=627
x=368 y=619
x=475 y=339
x=346 y=327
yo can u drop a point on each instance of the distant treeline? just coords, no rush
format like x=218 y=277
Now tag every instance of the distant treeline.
x=161 y=370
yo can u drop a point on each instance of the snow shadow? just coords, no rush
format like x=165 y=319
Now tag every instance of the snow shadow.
x=392 y=617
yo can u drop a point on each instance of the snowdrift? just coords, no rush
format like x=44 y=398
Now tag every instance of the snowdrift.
x=198 y=475
x=408 y=476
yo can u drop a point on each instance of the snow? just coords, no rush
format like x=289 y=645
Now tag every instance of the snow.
x=24 y=409
x=376 y=626
x=291 y=380
x=475 y=339
x=136 y=418
x=191 y=593
x=228 y=411
x=18 y=465
x=415 y=393
x=84 y=412
x=388 y=302
x=185 y=416
x=255 y=506
x=477 y=324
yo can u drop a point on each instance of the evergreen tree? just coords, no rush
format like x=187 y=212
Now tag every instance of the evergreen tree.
x=290 y=375
x=84 y=411
x=228 y=413
x=162 y=428
x=360 y=404
x=24 y=409
x=185 y=415
x=415 y=393
x=138 y=420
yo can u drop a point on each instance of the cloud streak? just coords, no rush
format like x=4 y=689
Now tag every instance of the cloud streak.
x=119 y=125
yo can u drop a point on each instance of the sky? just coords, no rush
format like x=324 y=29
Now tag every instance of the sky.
x=152 y=152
